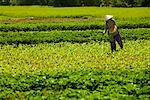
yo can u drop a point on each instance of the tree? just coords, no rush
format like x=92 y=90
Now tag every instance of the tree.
x=70 y=3
x=13 y=2
x=132 y=3
x=120 y=3
x=108 y=2
x=27 y=2
x=146 y=3
x=66 y=3
x=4 y=2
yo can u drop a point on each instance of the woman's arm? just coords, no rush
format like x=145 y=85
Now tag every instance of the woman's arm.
x=105 y=28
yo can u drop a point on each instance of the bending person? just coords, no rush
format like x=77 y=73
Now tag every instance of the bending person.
x=113 y=32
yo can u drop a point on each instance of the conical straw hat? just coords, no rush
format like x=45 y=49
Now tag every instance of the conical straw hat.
x=107 y=17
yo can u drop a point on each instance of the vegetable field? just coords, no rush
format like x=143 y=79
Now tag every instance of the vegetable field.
x=60 y=53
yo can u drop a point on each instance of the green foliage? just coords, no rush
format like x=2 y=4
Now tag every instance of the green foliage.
x=49 y=26
x=72 y=60
x=83 y=25
x=98 y=12
x=68 y=3
x=80 y=84
x=69 y=36
x=75 y=71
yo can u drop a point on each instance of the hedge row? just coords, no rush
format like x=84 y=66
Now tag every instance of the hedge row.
x=87 y=25
x=69 y=36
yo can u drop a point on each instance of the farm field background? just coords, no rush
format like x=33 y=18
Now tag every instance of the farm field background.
x=37 y=11
x=60 y=53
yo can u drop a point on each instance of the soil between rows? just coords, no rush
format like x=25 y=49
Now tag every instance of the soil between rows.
x=32 y=19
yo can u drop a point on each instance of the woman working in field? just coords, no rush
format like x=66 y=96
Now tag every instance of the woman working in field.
x=113 y=32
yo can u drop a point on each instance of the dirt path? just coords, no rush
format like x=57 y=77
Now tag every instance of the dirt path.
x=24 y=20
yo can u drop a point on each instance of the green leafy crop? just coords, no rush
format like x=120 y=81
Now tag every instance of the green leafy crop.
x=65 y=70
x=72 y=59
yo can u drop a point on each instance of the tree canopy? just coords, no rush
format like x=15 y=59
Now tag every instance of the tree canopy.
x=71 y=3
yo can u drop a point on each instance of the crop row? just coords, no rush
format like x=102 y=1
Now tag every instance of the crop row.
x=75 y=71
x=83 y=25
x=69 y=36
x=100 y=84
